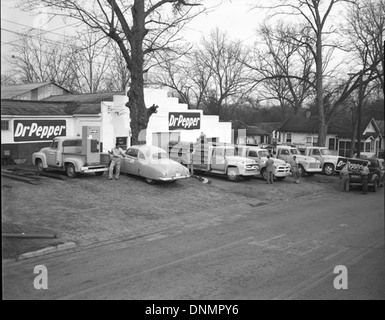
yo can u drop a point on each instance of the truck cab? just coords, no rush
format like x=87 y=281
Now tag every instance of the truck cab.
x=328 y=158
x=282 y=168
x=306 y=164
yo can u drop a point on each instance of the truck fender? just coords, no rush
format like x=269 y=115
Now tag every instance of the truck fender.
x=77 y=164
x=41 y=156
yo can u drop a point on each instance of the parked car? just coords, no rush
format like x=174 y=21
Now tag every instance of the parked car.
x=153 y=164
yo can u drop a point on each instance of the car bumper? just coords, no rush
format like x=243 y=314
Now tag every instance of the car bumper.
x=173 y=178
x=313 y=169
x=88 y=169
x=282 y=174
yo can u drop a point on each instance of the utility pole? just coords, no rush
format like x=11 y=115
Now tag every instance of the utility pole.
x=359 y=116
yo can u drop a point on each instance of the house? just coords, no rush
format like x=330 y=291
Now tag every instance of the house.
x=302 y=130
x=32 y=91
x=259 y=133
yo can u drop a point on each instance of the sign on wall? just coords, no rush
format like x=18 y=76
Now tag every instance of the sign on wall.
x=184 y=120
x=38 y=130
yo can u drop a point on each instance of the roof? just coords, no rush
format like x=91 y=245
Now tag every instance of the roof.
x=261 y=128
x=39 y=108
x=341 y=127
x=11 y=91
x=380 y=124
x=88 y=98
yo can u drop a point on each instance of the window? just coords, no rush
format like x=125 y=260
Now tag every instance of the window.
x=332 y=144
x=54 y=144
x=316 y=152
x=285 y=152
x=4 y=125
x=141 y=155
x=132 y=153
x=308 y=139
x=253 y=153
x=315 y=141
x=288 y=137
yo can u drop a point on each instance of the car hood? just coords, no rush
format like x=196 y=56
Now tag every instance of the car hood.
x=277 y=162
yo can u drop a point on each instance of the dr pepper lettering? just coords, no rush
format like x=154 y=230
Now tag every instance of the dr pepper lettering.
x=38 y=130
x=185 y=120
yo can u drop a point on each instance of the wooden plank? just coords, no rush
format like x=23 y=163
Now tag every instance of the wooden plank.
x=20 y=178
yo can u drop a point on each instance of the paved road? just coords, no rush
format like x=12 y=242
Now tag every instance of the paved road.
x=279 y=251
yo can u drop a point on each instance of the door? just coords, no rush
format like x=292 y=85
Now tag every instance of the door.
x=315 y=153
x=218 y=159
x=130 y=162
x=51 y=154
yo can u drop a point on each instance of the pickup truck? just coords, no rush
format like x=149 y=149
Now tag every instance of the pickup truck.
x=306 y=164
x=69 y=154
x=376 y=171
x=214 y=158
x=282 y=168
x=328 y=158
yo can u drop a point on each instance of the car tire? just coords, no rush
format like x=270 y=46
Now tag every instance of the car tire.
x=70 y=171
x=150 y=181
x=232 y=174
x=39 y=165
x=328 y=169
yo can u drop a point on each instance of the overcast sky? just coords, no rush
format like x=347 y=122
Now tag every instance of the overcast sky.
x=233 y=16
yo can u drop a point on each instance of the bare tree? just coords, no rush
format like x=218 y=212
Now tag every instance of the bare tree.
x=141 y=28
x=284 y=68
x=315 y=14
x=92 y=62
x=35 y=59
x=229 y=77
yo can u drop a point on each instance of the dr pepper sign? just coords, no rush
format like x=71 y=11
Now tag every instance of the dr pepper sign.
x=38 y=130
x=184 y=120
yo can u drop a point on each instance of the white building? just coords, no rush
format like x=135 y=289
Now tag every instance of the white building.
x=27 y=126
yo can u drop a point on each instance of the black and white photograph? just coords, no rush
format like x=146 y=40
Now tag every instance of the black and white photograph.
x=190 y=156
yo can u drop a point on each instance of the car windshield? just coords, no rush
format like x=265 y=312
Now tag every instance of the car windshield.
x=327 y=152
x=160 y=155
x=263 y=153
x=294 y=151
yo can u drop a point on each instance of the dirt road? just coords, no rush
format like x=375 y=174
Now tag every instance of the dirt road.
x=91 y=209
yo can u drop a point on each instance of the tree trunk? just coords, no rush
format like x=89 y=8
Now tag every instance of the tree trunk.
x=138 y=111
x=322 y=129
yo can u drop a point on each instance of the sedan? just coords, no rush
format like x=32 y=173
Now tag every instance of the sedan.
x=153 y=164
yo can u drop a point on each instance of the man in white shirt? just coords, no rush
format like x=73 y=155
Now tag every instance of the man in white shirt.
x=117 y=154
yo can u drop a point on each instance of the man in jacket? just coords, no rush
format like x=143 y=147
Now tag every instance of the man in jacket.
x=117 y=154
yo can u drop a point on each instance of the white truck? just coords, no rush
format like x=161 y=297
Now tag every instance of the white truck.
x=215 y=158
x=306 y=164
x=282 y=168
x=328 y=158
x=72 y=154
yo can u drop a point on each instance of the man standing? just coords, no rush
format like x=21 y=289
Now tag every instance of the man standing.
x=295 y=169
x=269 y=169
x=117 y=154
x=364 y=178
x=345 y=177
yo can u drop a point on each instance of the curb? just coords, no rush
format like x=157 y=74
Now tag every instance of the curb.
x=60 y=247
